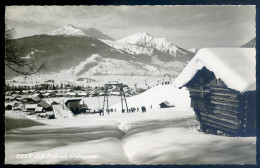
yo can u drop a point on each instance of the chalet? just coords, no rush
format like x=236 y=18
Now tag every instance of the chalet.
x=73 y=105
x=46 y=106
x=222 y=87
x=30 y=107
x=166 y=104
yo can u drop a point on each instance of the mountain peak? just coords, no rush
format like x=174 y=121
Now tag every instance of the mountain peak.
x=142 y=34
x=68 y=30
x=147 y=40
x=70 y=26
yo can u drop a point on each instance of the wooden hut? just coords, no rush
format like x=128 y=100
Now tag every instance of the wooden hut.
x=166 y=104
x=222 y=87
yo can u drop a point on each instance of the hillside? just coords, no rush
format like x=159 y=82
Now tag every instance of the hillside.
x=73 y=51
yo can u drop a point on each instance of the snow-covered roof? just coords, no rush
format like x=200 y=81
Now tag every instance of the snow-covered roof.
x=235 y=66
x=38 y=108
x=31 y=106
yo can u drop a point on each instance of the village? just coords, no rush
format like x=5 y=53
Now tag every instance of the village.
x=39 y=100
x=138 y=89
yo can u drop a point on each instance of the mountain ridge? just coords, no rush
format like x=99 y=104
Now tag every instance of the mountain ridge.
x=68 y=50
x=71 y=30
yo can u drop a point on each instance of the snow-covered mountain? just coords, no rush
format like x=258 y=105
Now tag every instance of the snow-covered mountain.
x=160 y=44
x=98 y=65
x=75 y=51
x=130 y=48
x=68 y=30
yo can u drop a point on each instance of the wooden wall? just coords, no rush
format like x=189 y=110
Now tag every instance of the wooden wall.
x=219 y=108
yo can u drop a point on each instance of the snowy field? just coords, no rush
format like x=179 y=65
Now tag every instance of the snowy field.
x=159 y=136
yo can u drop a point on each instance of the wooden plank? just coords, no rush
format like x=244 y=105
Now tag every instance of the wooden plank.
x=224 y=94
x=224 y=123
x=218 y=127
x=223 y=90
x=225 y=104
x=226 y=113
x=221 y=118
x=226 y=108
x=222 y=98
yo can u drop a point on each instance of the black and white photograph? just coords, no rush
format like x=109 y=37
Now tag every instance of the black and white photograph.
x=130 y=85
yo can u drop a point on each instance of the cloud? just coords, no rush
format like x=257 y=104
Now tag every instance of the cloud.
x=188 y=26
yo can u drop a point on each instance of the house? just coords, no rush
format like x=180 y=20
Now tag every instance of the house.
x=166 y=104
x=73 y=105
x=30 y=107
x=36 y=99
x=46 y=106
x=222 y=87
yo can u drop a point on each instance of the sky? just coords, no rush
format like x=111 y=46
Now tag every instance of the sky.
x=185 y=26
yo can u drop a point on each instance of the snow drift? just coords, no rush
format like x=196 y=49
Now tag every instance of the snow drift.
x=13 y=121
x=235 y=66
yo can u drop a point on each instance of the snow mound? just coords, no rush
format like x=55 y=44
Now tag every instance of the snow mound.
x=158 y=94
x=68 y=30
x=235 y=66
x=146 y=40
x=13 y=121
